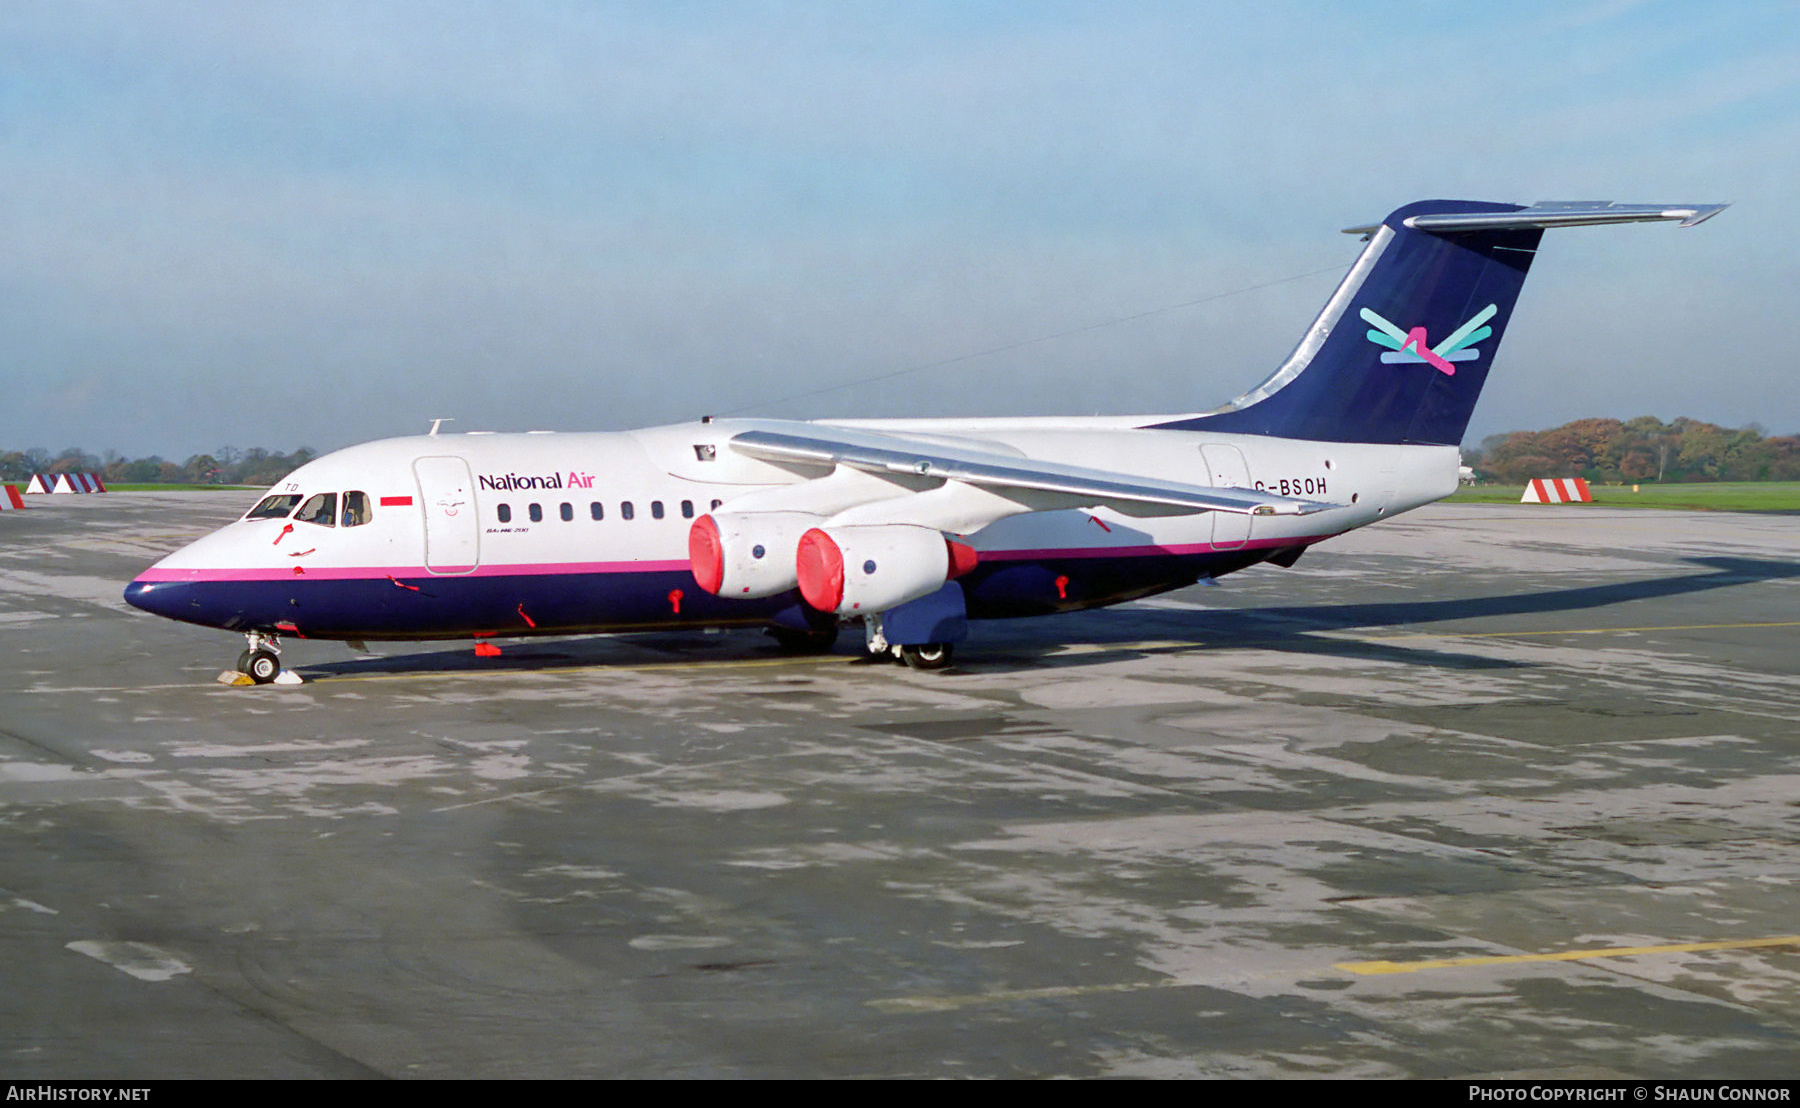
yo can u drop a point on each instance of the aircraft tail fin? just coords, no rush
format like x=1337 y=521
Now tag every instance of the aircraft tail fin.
x=1403 y=346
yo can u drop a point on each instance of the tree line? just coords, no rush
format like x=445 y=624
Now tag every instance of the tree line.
x=1631 y=451
x=1637 y=451
x=229 y=466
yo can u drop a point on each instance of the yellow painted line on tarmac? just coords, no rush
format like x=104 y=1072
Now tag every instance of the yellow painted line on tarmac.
x=687 y=666
x=917 y=1005
x=1575 y=631
x=1372 y=968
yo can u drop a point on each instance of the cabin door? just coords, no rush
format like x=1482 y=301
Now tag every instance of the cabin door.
x=1226 y=469
x=452 y=529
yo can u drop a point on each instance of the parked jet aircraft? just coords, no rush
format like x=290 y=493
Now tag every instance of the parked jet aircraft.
x=911 y=527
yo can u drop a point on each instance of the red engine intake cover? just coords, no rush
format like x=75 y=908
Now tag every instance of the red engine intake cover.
x=820 y=566
x=706 y=554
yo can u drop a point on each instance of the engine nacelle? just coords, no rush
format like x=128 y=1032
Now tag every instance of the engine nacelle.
x=746 y=555
x=858 y=570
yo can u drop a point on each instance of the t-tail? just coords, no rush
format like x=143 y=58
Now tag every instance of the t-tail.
x=1403 y=347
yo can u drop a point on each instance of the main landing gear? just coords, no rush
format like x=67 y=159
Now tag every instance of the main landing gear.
x=261 y=662
x=928 y=655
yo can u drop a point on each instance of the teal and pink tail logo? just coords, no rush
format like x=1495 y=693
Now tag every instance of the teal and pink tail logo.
x=1411 y=346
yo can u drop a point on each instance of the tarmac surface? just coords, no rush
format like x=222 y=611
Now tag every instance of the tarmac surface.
x=1480 y=791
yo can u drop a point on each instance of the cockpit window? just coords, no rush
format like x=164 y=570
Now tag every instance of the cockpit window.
x=319 y=509
x=275 y=507
x=356 y=509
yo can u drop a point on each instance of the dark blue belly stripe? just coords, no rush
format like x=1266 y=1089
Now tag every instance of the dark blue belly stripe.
x=525 y=604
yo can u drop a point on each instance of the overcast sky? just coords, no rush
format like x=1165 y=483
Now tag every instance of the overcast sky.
x=295 y=223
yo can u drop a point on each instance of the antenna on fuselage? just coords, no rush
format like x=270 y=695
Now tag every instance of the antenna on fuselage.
x=437 y=422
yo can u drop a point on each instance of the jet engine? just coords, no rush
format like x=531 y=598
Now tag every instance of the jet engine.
x=746 y=555
x=862 y=569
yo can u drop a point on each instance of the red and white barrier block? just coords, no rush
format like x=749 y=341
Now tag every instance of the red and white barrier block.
x=40 y=482
x=78 y=482
x=1557 y=490
x=10 y=498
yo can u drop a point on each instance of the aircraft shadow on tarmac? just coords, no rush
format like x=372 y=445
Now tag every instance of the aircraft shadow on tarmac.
x=1297 y=629
x=1119 y=633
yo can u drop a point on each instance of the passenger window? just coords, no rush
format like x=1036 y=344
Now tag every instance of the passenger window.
x=320 y=510
x=656 y=509
x=274 y=507
x=596 y=510
x=687 y=509
x=356 y=509
x=537 y=513
x=716 y=503
x=567 y=512
x=504 y=513
x=626 y=511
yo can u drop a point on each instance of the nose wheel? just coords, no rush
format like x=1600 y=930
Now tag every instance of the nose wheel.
x=262 y=661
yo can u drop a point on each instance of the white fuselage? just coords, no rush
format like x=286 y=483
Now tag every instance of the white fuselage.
x=451 y=536
x=651 y=484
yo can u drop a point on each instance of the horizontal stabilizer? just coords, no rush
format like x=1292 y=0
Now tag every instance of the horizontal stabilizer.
x=878 y=453
x=1559 y=213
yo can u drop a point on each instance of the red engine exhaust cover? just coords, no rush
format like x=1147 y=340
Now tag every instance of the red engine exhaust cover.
x=962 y=558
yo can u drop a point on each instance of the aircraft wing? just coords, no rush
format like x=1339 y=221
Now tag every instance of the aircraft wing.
x=1072 y=486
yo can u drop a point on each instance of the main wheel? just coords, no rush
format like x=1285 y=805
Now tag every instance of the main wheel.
x=803 y=642
x=261 y=666
x=931 y=655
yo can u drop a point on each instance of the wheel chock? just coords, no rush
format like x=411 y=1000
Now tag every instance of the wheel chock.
x=233 y=677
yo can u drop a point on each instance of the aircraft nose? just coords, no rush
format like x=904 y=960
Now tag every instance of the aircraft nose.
x=190 y=597
x=163 y=598
x=187 y=601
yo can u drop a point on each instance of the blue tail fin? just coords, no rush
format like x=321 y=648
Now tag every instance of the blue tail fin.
x=1402 y=349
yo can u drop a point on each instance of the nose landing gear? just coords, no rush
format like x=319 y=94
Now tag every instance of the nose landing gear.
x=261 y=662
